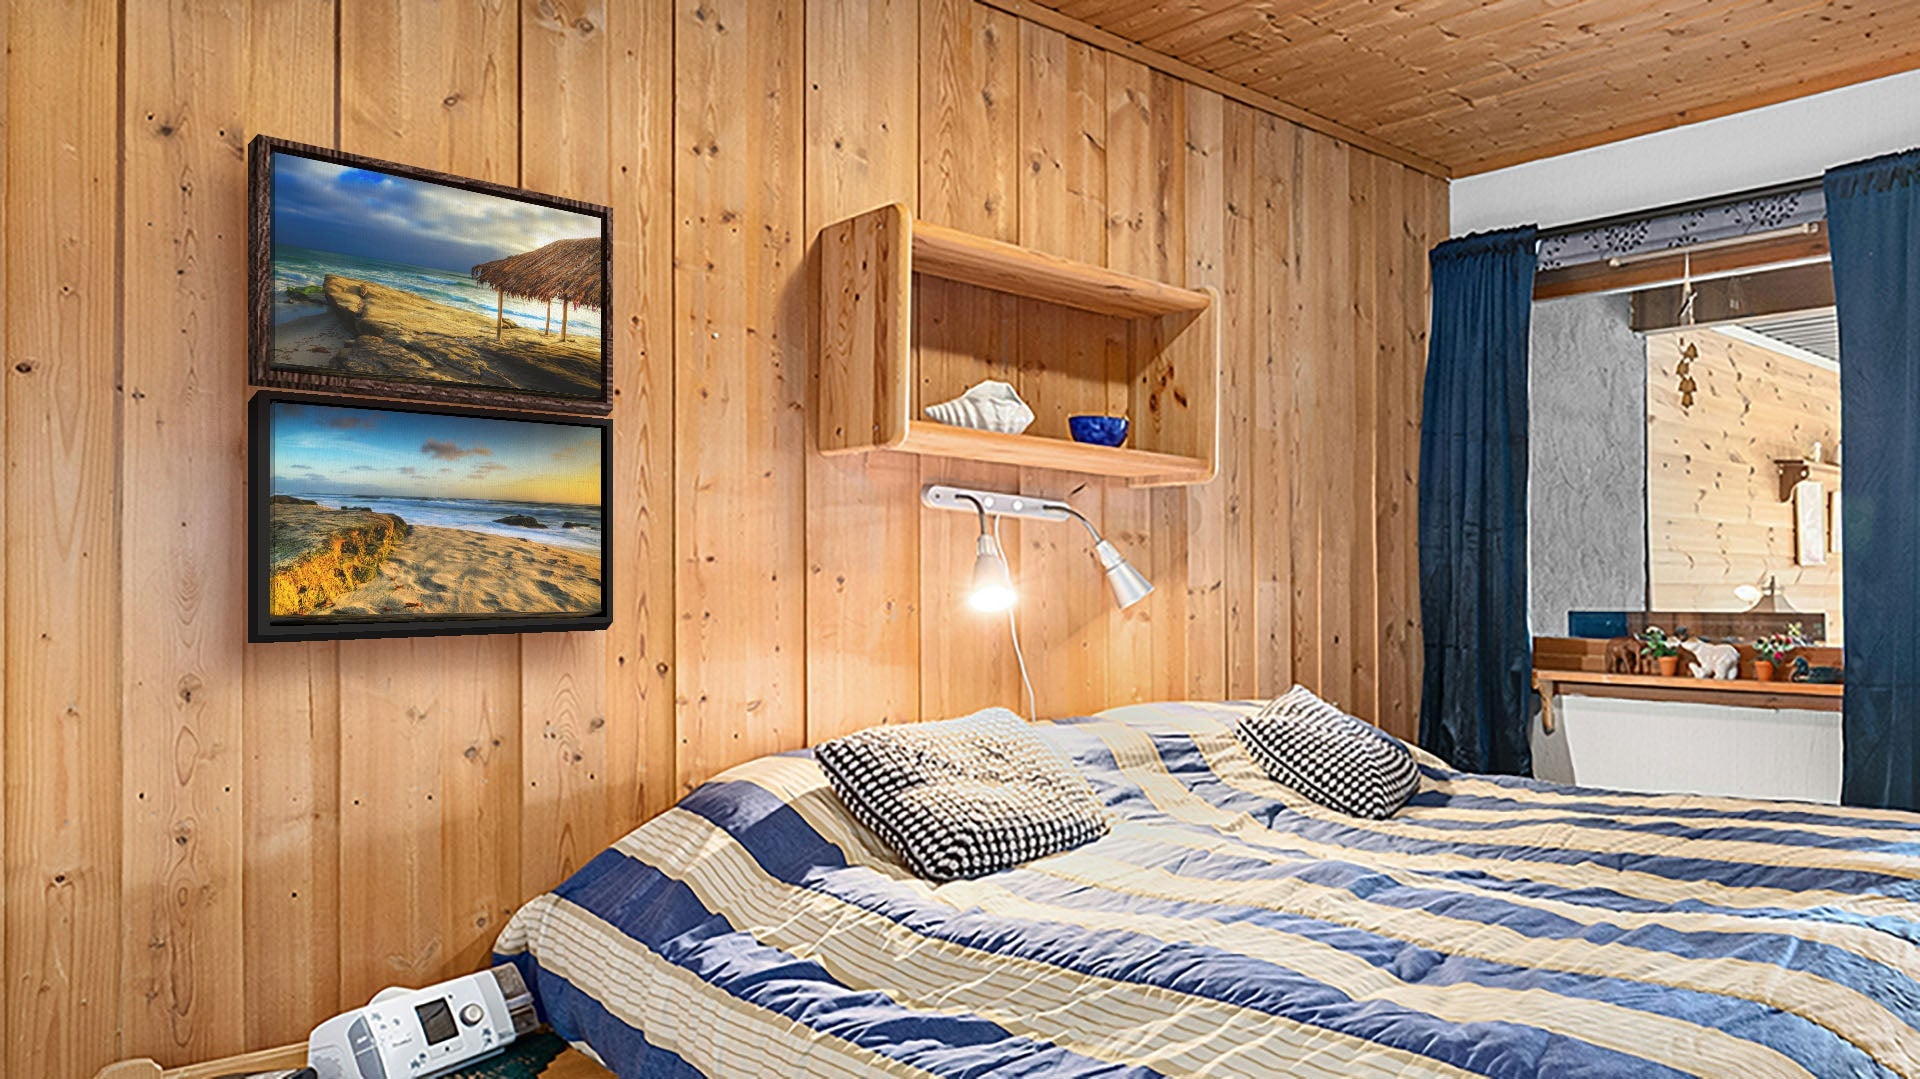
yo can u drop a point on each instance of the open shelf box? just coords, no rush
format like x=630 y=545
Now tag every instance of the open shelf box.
x=914 y=313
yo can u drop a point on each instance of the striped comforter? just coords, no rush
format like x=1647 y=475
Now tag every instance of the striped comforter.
x=1226 y=927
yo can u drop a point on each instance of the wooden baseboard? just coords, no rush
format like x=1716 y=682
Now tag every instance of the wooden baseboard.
x=571 y=1064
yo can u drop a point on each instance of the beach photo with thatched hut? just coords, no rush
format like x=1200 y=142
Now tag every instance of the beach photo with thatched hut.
x=371 y=515
x=383 y=277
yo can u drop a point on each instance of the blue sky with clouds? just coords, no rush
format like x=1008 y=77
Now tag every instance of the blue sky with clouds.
x=331 y=207
x=327 y=449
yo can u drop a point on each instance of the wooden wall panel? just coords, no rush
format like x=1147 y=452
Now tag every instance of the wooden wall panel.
x=1715 y=520
x=970 y=170
x=290 y=932
x=63 y=759
x=282 y=829
x=1063 y=360
x=1282 y=571
x=1412 y=223
x=188 y=70
x=291 y=935
x=740 y=316
x=1146 y=183
x=640 y=705
x=1360 y=411
x=1332 y=312
x=1204 y=547
x=1240 y=348
x=863 y=516
x=577 y=771
x=421 y=887
x=6 y=343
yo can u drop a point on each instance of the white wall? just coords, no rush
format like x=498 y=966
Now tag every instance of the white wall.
x=1671 y=746
x=1794 y=140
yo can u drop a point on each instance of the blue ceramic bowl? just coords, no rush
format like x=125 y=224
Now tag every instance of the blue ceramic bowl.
x=1099 y=430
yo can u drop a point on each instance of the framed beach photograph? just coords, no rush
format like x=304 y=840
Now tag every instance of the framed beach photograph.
x=371 y=277
x=373 y=520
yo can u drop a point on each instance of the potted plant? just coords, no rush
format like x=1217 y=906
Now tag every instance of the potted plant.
x=1771 y=649
x=1662 y=649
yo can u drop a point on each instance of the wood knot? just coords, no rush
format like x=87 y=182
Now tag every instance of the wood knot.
x=451 y=99
x=25 y=367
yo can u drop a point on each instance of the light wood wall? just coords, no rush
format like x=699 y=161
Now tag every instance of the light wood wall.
x=1715 y=520
x=210 y=845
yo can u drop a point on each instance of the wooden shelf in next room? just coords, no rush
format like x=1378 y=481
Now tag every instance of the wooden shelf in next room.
x=1113 y=343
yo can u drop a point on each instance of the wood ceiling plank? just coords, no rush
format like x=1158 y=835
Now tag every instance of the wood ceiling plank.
x=1475 y=84
x=1437 y=62
x=1120 y=16
x=1081 y=31
x=1198 y=22
x=1560 y=133
x=1231 y=25
x=1686 y=51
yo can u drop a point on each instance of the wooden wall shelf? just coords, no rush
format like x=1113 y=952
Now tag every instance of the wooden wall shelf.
x=872 y=377
x=1740 y=693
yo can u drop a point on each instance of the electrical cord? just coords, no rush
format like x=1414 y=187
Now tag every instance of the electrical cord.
x=981 y=509
x=1013 y=631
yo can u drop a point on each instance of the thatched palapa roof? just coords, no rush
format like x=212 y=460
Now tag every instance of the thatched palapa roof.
x=562 y=270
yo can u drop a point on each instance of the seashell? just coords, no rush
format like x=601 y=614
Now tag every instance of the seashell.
x=990 y=406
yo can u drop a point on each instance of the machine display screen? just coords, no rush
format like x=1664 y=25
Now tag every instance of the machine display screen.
x=436 y=1020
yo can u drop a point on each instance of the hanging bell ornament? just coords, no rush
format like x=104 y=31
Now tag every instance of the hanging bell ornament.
x=1684 y=368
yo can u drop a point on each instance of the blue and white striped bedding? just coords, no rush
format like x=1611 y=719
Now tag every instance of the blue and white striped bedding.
x=1227 y=927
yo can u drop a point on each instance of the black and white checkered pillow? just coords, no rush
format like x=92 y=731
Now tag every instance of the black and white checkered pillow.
x=1341 y=762
x=962 y=798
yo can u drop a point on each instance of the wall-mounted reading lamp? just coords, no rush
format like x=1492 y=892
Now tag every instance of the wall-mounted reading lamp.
x=992 y=586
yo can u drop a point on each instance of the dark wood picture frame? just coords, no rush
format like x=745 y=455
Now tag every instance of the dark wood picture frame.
x=260 y=328
x=262 y=627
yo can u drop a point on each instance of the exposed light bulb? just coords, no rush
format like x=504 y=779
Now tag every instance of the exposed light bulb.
x=992 y=585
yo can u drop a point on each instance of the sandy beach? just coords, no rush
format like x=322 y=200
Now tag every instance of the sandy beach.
x=361 y=328
x=419 y=570
x=454 y=571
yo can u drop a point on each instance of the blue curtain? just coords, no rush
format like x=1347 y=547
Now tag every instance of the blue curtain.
x=1873 y=221
x=1476 y=699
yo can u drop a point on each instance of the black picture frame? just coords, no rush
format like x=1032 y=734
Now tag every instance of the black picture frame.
x=262 y=627
x=260 y=327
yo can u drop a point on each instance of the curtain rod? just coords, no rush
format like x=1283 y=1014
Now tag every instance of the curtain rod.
x=1808 y=228
x=1630 y=216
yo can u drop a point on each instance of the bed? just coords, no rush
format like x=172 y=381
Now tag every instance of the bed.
x=1226 y=926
